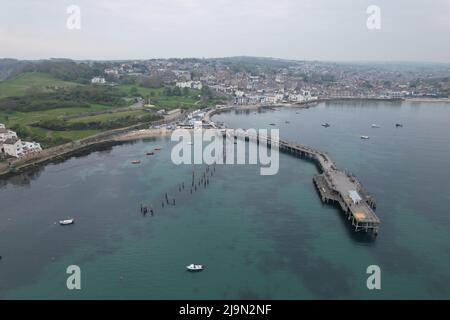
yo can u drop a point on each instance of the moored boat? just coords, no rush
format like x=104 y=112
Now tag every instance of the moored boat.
x=195 y=267
x=66 y=222
x=365 y=137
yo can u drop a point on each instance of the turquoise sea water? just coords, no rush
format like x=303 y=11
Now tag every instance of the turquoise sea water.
x=259 y=236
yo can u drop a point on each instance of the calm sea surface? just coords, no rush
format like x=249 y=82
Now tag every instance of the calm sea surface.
x=265 y=237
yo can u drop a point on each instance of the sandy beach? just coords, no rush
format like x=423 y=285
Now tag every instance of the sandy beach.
x=144 y=133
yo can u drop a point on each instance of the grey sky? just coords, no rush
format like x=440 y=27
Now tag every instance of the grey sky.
x=411 y=30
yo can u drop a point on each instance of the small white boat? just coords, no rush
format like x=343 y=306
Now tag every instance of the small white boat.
x=195 y=267
x=326 y=124
x=66 y=222
x=364 y=137
x=375 y=125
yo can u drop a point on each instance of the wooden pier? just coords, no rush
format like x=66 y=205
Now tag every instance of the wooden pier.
x=335 y=186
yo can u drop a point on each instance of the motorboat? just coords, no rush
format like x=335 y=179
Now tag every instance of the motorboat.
x=195 y=267
x=375 y=125
x=326 y=125
x=150 y=153
x=398 y=125
x=136 y=161
x=365 y=137
x=66 y=222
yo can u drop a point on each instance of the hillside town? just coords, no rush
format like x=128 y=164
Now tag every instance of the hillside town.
x=270 y=81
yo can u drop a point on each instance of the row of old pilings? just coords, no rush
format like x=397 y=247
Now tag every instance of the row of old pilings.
x=202 y=180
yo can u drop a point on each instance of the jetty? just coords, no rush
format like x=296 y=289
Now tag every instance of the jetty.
x=335 y=187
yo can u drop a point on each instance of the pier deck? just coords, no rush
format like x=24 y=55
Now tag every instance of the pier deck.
x=335 y=186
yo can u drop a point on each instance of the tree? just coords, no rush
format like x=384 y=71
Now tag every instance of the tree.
x=167 y=91
x=185 y=91
x=206 y=93
x=133 y=91
x=176 y=91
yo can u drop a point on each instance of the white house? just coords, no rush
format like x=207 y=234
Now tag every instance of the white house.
x=12 y=147
x=18 y=148
x=111 y=71
x=270 y=99
x=279 y=97
x=6 y=134
x=30 y=147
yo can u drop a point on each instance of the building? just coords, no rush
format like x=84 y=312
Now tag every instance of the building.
x=29 y=148
x=6 y=134
x=17 y=148
x=12 y=147
x=111 y=72
x=396 y=95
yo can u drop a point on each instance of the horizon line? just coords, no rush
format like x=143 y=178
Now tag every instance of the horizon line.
x=357 y=61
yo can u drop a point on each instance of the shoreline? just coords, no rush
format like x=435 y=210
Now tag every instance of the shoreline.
x=141 y=131
x=429 y=100
x=14 y=167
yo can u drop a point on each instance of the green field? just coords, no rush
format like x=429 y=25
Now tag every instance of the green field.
x=43 y=105
x=109 y=116
x=68 y=135
x=31 y=82
x=157 y=97
x=12 y=118
x=35 y=83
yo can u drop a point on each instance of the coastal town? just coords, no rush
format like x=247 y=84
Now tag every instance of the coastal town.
x=157 y=89
x=225 y=158
x=249 y=80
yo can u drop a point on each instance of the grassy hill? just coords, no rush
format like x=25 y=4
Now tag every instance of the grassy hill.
x=31 y=82
x=42 y=107
x=38 y=88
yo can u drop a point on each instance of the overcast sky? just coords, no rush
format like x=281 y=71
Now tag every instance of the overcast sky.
x=333 y=30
